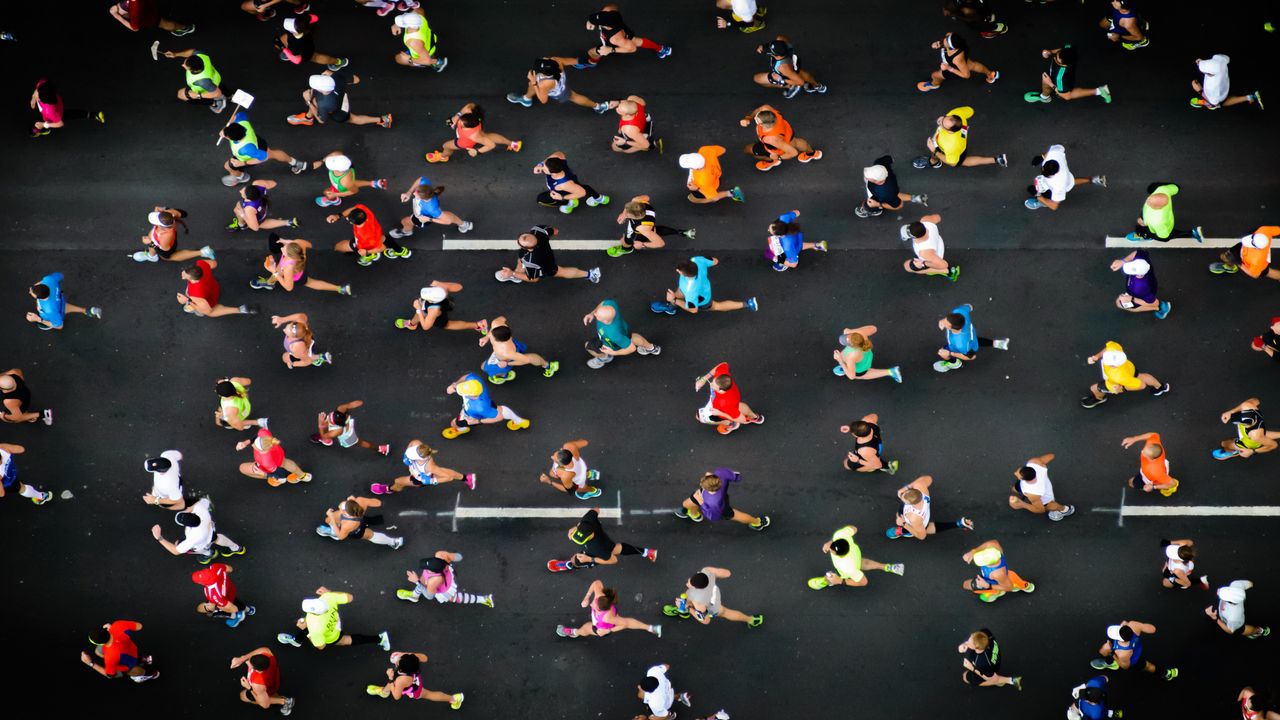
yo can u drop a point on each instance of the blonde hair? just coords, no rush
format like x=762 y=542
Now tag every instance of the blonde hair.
x=711 y=482
x=858 y=341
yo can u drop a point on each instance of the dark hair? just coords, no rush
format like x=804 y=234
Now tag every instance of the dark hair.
x=649 y=683
x=433 y=564
x=547 y=66
x=1067 y=56
x=562 y=457
x=608 y=597
x=1186 y=552
x=408 y=664
x=687 y=268
x=502 y=333
x=225 y=388
x=235 y=131
x=917 y=229
x=353 y=508
x=470 y=119
x=193 y=64
x=357 y=217
x=1095 y=694
x=958 y=43
x=254 y=192
x=47 y=92
x=339 y=417
x=777 y=227
x=187 y=519
x=955 y=320
x=302 y=23
x=1026 y=472
x=555 y=164
x=195 y=271
x=260 y=662
x=1125 y=632
x=100 y=636
x=840 y=547
x=1050 y=168
x=40 y=290
x=426 y=191
x=700 y=580
x=161 y=464
x=862 y=427
x=778 y=48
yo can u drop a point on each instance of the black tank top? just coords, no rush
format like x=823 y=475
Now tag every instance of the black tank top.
x=874 y=442
x=20 y=393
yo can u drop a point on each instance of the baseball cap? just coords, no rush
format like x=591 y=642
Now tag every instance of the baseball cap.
x=1113 y=354
x=416 y=452
x=338 y=163
x=876 y=173
x=155 y=219
x=411 y=21
x=1137 y=266
x=291 y=25
x=986 y=557
x=470 y=388
x=1171 y=552
x=157 y=464
x=1275 y=320
x=1113 y=632
x=433 y=294
x=314 y=606
x=1233 y=595
x=582 y=535
x=692 y=161
x=1257 y=241
x=321 y=83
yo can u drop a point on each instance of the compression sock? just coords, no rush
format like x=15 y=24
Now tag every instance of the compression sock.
x=378 y=538
x=29 y=491
x=364 y=639
x=509 y=414
x=648 y=44
x=466 y=598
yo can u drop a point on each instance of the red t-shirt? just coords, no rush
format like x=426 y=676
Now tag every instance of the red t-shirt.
x=121 y=645
x=218 y=588
x=271 y=459
x=207 y=287
x=142 y=13
x=725 y=401
x=269 y=677
x=368 y=233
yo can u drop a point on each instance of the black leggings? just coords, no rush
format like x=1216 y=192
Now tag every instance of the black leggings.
x=1145 y=233
x=238 y=604
x=660 y=230
x=944 y=525
x=544 y=197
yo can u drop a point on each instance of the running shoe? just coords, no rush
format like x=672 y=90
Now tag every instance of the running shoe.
x=818 y=583
x=288 y=639
x=38 y=132
x=767 y=165
x=954 y=274
x=727 y=428
x=895 y=568
x=597 y=363
x=403 y=324
x=384 y=640
x=1033 y=203
x=758 y=26
x=1017 y=682
x=1202 y=104
x=619 y=251
x=323 y=201
x=947 y=366
x=764 y=523
x=593 y=275
x=1171 y=673
x=253 y=310
x=217 y=106
x=752 y=305
x=920 y=163
x=42 y=498
x=791 y=92
x=300 y=119
x=319 y=439
x=345 y=290
x=757 y=420
x=892 y=467
x=863 y=211
x=456 y=702
x=779 y=267
x=515 y=146
x=664 y=52
x=1137 y=46
x=1002 y=160
x=598 y=201
x=895 y=372
x=651 y=555
x=144 y=256
x=380 y=489
x=469 y=480
x=400 y=234
x=342 y=62
x=996 y=30
x=565 y=632
x=1163 y=311
x=235 y=619
x=685 y=699
x=1161 y=390
x=683 y=514
x=1220 y=454
x=440 y=64
x=820 y=246
x=377 y=691
x=234 y=180
x=435 y=156
x=756 y=621
x=402 y=254
x=894 y=533
x=297 y=167
x=927 y=87
x=993 y=77
x=383 y=11
x=1035 y=97
x=654 y=349
x=1000 y=343
x=601 y=108
x=552 y=368
x=1257 y=98
x=1104 y=92
x=735 y=193
x=383 y=450
x=1219 y=268
x=466 y=227
x=1262 y=632
x=1029 y=587
x=500 y=379
x=1058 y=515
x=810 y=156
x=569 y=207
x=486 y=600
x=513 y=426
x=46 y=417
x=407 y=595
x=184 y=30
x=1089 y=401
x=588 y=494
x=1197 y=232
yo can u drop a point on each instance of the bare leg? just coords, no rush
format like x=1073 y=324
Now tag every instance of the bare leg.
x=435 y=696
x=570 y=273
x=626 y=623
x=321 y=285
x=734 y=615
x=872 y=374
x=744 y=518
x=320 y=58
x=354 y=119
x=462 y=325
x=280 y=156
x=975 y=160
x=581 y=100
x=1149 y=380
x=448 y=149
x=747 y=412
x=447 y=218
x=868 y=564
x=221 y=310
x=76 y=309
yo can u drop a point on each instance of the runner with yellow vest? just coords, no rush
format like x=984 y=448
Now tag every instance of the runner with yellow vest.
x=1118 y=376
x=248 y=149
x=949 y=144
x=204 y=82
x=1252 y=436
x=419 y=42
x=995 y=577
x=1252 y=254
x=1156 y=222
x=847 y=558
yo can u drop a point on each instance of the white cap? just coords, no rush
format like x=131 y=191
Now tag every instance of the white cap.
x=338 y=163
x=876 y=173
x=1113 y=632
x=904 y=232
x=1171 y=552
x=692 y=161
x=1233 y=595
x=314 y=606
x=1114 y=358
x=322 y=83
x=154 y=219
x=410 y=21
x=433 y=294
x=1256 y=241
x=416 y=452
x=291 y=25
x=1137 y=266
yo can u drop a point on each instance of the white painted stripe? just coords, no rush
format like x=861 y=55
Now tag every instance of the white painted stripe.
x=513 y=245
x=1178 y=244
x=1201 y=510
x=506 y=513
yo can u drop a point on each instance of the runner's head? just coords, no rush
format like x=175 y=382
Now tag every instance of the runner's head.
x=408 y=664
x=722 y=382
x=353 y=508
x=471 y=119
x=261 y=661
x=1066 y=56
x=840 y=547
x=555 y=165
x=426 y=191
x=1185 y=553
x=634 y=210
x=607 y=599
x=314 y=606
x=337 y=163
x=433 y=294
x=501 y=333
x=627 y=108
x=294 y=252
x=693 y=161
x=779 y=228
x=234 y=132
x=470 y=388
x=409 y=21
x=1026 y=473
x=980 y=641
x=1122 y=633
x=951 y=123
x=157 y=464
x=687 y=268
x=225 y=388
x=100 y=636
x=915 y=230
x=649 y=684
x=766 y=119
x=876 y=174
x=699 y=581
x=161 y=218
x=955 y=321
x=1050 y=168
x=547 y=68
x=323 y=84
x=778 y=48
x=710 y=482
x=193 y=273
x=527 y=240
x=433 y=564
x=858 y=341
x=187 y=519
x=47 y=92
x=1157 y=201
x=357 y=217
x=605 y=312
x=422 y=451
x=562 y=457
x=911 y=496
x=252 y=192
x=193 y=64
x=337 y=417
x=298 y=26
x=1152 y=451
x=7 y=383
x=40 y=291
x=861 y=428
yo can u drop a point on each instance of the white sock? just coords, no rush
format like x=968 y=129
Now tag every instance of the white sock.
x=226 y=542
x=509 y=414
x=1097 y=91
x=382 y=539
x=29 y=492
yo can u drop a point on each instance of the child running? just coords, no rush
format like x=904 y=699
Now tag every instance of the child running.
x=786 y=240
x=569 y=471
x=340 y=426
x=478 y=408
x=509 y=353
x=426 y=210
x=1153 y=468
x=420 y=458
x=405 y=676
x=995 y=578
x=847 y=558
x=853 y=361
x=710 y=501
x=604 y=616
x=435 y=580
x=470 y=135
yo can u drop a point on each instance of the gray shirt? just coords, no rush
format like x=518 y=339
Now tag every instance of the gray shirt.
x=709 y=596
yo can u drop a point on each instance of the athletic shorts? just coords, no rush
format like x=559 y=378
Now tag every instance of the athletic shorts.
x=277 y=474
x=166 y=254
x=10 y=478
x=424 y=479
x=973 y=678
x=759 y=149
x=480 y=412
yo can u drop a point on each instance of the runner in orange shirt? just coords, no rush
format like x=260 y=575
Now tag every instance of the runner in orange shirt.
x=704 y=176
x=369 y=244
x=1252 y=254
x=470 y=135
x=1153 y=473
x=776 y=140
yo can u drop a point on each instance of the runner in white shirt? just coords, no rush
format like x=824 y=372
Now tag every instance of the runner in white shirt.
x=1215 y=91
x=166 y=481
x=200 y=535
x=1179 y=563
x=1055 y=180
x=929 y=249
x=569 y=471
x=656 y=692
x=1034 y=491
x=1229 y=612
x=9 y=476
x=744 y=15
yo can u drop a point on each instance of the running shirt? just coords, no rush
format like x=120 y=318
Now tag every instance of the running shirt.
x=709 y=596
x=661 y=699
x=1095 y=710
x=781 y=129
x=1246 y=421
x=1133 y=647
x=8 y=470
x=1039 y=485
x=578 y=467
x=924 y=512
x=715 y=505
x=885 y=193
x=20 y=392
x=239 y=401
x=640 y=122
x=631 y=226
x=987 y=662
x=1217 y=82
x=932 y=240
x=1061 y=182
x=707 y=177
x=1061 y=76
x=207 y=287
x=1119 y=377
x=1160 y=222
x=326 y=627
x=600 y=545
x=728 y=401
x=1155 y=471
x=336 y=105
x=267 y=455
x=368 y=233
x=167 y=485
x=555 y=182
x=873 y=442
x=198 y=539
x=417 y=468
x=120 y=654
x=948 y=54
x=218 y=588
x=614 y=335
x=559 y=92
x=864 y=360
x=49 y=112
x=348 y=436
x=481 y=406
x=260 y=207
x=965 y=340
x=269 y=678
x=791 y=243
x=848 y=567
x=1142 y=287
x=52 y=309
x=429 y=208
x=1231 y=614
x=247 y=149
x=446 y=575
x=697 y=289
x=540 y=260
x=953 y=143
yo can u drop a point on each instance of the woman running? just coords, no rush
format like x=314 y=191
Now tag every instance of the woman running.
x=253 y=210
x=469 y=135
x=432 y=308
x=426 y=210
x=289 y=270
x=786 y=240
x=420 y=458
x=299 y=343
x=853 y=362
x=351 y=521
x=405 y=675
x=342 y=180
x=569 y=471
x=436 y=581
x=953 y=51
x=604 y=616
x=162 y=241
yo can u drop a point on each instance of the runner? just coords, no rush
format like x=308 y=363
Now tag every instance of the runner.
x=436 y=581
x=954 y=54
x=432 y=307
x=204 y=293
x=1090 y=701
x=1125 y=26
x=200 y=537
x=269 y=461
x=615 y=38
x=253 y=208
x=9 y=476
x=138 y=14
x=1123 y=650
x=248 y=150
x=405 y=675
x=784 y=70
x=710 y=501
x=420 y=50
x=868 y=451
x=264 y=10
x=470 y=135
x=1059 y=79
x=1252 y=254
x=847 y=558
x=52 y=306
x=982 y=662
x=1034 y=491
x=340 y=426
x=949 y=144
x=977 y=15
x=420 y=458
x=327 y=101
x=386 y=7
x=1257 y=706
x=120 y=657
x=693 y=290
x=53 y=114
x=1153 y=472
x=563 y=189
x=613 y=336
x=569 y=471
x=369 y=244
x=289 y=269
x=1268 y=343
x=853 y=361
x=776 y=141
x=351 y=520
x=701 y=599
x=166 y=481
x=261 y=682
x=478 y=408
x=162 y=240
x=1252 y=436
x=426 y=210
x=204 y=82
x=916 y=518
x=635 y=127
x=324 y=627
x=509 y=353
x=786 y=240
x=547 y=81
x=704 y=176
x=962 y=339
x=1140 y=285
x=604 y=616
x=1215 y=91
x=234 y=408
x=655 y=691
x=640 y=228
x=535 y=260
x=1055 y=180
x=342 y=180
x=221 y=602
x=1118 y=376
x=883 y=191
x=926 y=243
x=298 y=43
x=595 y=547
x=746 y=16
x=995 y=577
x=724 y=407
x=1156 y=222
x=1179 y=563
x=299 y=343
x=15 y=400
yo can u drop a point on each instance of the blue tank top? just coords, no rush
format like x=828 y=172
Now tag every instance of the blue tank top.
x=553 y=183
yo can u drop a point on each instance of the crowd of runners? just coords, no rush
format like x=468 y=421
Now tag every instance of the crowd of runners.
x=330 y=88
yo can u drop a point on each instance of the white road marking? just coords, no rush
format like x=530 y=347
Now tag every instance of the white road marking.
x=1178 y=244
x=450 y=244
x=506 y=513
x=1255 y=511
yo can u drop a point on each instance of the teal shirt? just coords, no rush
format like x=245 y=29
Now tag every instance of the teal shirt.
x=617 y=334
x=697 y=289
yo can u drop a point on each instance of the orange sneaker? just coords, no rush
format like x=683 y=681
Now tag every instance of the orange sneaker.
x=809 y=157
x=515 y=146
x=385 y=120
x=435 y=156
x=767 y=165
x=300 y=119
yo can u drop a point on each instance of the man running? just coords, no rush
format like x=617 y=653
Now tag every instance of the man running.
x=775 y=140
x=724 y=407
x=640 y=228
x=426 y=210
x=419 y=458
x=1156 y=222
x=1050 y=187
x=784 y=70
x=595 y=547
x=340 y=426
x=1140 y=285
x=693 y=290
x=962 y=339
x=200 y=537
x=261 y=682
x=710 y=501
x=1059 y=79
x=478 y=408
x=204 y=82
x=1118 y=376
x=298 y=43
x=248 y=150
x=953 y=52
x=52 y=306
x=9 y=476
x=221 y=602
x=342 y=180
x=113 y=643
x=1179 y=563
x=324 y=627
x=166 y=481
x=435 y=580
x=995 y=577
x=1229 y=613
x=847 y=558
x=405 y=675
x=470 y=135
x=747 y=16
x=1252 y=254
x=635 y=127
x=701 y=599
x=252 y=211
x=1123 y=650
x=563 y=189
x=1090 y=701
x=327 y=101
x=916 y=517
x=138 y=14
x=868 y=452
x=704 y=176
x=982 y=662
x=1153 y=469
x=1125 y=26
x=928 y=248
x=548 y=82
x=613 y=336
x=509 y=353
x=269 y=461
x=786 y=241
x=1215 y=90
x=656 y=692
x=1034 y=490
x=204 y=293
x=351 y=520
x=615 y=38
x=369 y=244
x=162 y=241
x=569 y=471
x=432 y=307
x=883 y=191
x=1252 y=436
x=234 y=407
x=420 y=49
x=15 y=400
x=1268 y=343
x=949 y=144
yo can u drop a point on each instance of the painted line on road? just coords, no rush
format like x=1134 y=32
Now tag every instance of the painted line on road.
x=513 y=245
x=1256 y=511
x=1179 y=244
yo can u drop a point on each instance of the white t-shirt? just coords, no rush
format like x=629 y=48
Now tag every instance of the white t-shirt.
x=1062 y=181
x=198 y=538
x=1217 y=83
x=1173 y=562
x=660 y=700
x=1040 y=485
x=579 y=469
x=743 y=9
x=1231 y=614
x=931 y=241
x=167 y=485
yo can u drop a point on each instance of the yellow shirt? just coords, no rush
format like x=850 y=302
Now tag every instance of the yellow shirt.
x=953 y=143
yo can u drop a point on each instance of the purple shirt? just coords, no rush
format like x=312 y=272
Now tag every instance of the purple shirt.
x=1142 y=287
x=714 y=504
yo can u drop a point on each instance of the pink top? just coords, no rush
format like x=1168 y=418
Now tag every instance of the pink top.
x=50 y=113
x=447 y=583
x=598 y=620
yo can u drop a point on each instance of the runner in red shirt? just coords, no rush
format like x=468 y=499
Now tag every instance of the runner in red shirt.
x=269 y=462
x=114 y=644
x=725 y=408
x=369 y=244
x=138 y=14
x=262 y=681
x=204 y=292
x=470 y=135
x=220 y=595
x=635 y=126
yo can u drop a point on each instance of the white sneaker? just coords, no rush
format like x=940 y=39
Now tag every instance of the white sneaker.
x=466 y=226
x=1001 y=344
x=398 y=233
x=207 y=253
x=594 y=274
x=500 y=277
x=596 y=363
x=656 y=349
x=144 y=256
